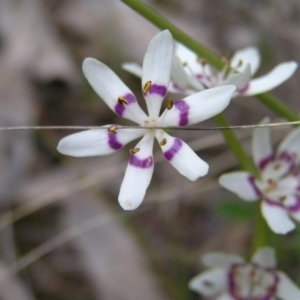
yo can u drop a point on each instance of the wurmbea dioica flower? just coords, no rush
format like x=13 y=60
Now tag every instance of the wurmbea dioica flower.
x=278 y=184
x=155 y=81
x=190 y=73
x=231 y=278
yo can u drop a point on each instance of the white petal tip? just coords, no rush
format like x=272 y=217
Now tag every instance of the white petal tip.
x=129 y=204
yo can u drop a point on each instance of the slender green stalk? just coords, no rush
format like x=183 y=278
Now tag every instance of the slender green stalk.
x=202 y=51
x=278 y=107
x=261 y=231
x=235 y=145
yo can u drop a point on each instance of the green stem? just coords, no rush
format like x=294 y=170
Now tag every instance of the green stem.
x=202 y=51
x=261 y=231
x=235 y=145
x=278 y=107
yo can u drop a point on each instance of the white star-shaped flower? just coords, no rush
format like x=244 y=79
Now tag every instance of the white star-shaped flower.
x=231 y=278
x=155 y=81
x=279 y=182
x=190 y=74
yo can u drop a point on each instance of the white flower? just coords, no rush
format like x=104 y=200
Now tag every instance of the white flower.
x=230 y=278
x=155 y=81
x=190 y=74
x=279 y=181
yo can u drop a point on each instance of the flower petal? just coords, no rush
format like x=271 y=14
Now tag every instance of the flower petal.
x=291 y=144
x=277 y=218
x=220 y=260
x=156 y=71
x=261 y=145
x=265 y=257
x=178 y=74
x=287 y=289
x=182 y=157
x=138 y=175
x=241 y=58
x=133 y=68
x=239 y=80
x=226 y=296
x=277 y=76
x=199 y=107
x=97 y=141
x=110 y=88
x=188 y=58
x=240 y=183
x=209 y=283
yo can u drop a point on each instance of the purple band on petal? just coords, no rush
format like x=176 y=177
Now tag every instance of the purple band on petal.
x=265 y=161
x=251 y=180
x=141 y=163
x=113 y=142
x=273 y=203
x=177 y=144
x=245 y=89
x=295 y=207
x=289 y=158
x=183 y=108
x=158 y=89
x=120 y=108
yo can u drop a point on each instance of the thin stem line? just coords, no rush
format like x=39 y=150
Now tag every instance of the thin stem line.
x=194 y=128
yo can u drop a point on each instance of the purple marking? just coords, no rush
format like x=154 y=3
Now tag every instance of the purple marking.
x=245 y=89
x=158 y=89
x=234 y=288
x=288 y=158
x=120 y=108
x=141 y=163
x=273 y=203
x=183 y=108
x=251 y=180
x=113 y=142
x=177 y=144
x=295 y=207
x=265 y=161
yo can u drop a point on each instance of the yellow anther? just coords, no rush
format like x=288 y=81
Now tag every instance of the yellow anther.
x=122 y=100
x=295 y=155
x=204 y=62
x=283 y=198
x=277 y=166
x=147 y=87
x=272 y=185
x=240 y=63
x=163 y=142
x=134 y=150
x=112 y=129
x=169 y=103
x=184 y=63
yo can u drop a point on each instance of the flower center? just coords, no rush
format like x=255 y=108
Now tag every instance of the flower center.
x=252 y=282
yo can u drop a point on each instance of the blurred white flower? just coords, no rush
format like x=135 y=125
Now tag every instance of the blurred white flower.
x=279 y=181
x=155 y=81
x=190 y=74
x=231 y=278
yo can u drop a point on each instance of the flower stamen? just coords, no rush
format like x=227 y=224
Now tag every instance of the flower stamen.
x=163 y=142
x=112 y=130
x=122 y=100
x=169 y=104
x=147 y=87
x=134 y=150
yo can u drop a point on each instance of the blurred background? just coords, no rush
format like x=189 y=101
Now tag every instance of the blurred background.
x=62 y=232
